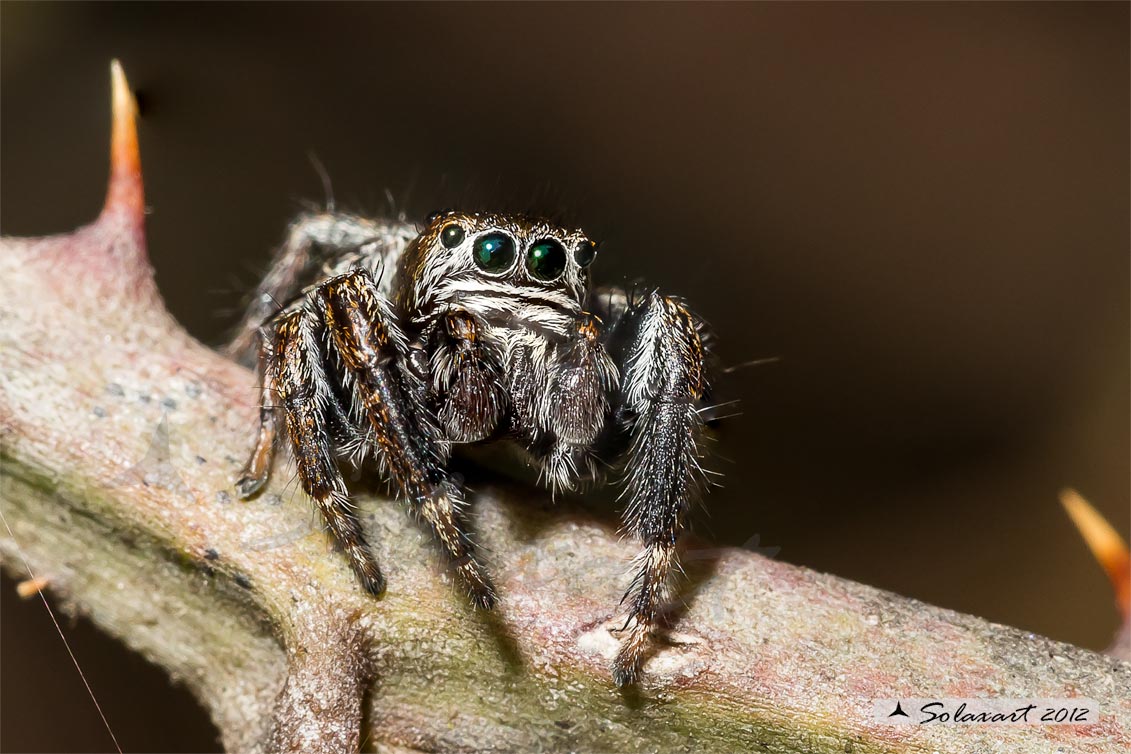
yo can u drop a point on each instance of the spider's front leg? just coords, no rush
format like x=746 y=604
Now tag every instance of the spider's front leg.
x=657 y=343
x=374 y=352
x=344 y=333
x=296 y=385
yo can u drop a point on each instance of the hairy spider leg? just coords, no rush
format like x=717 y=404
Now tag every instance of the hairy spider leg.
x=373 y=351
x=313 y=241
x=258 y=467
x=295 y=372
x=663 y=380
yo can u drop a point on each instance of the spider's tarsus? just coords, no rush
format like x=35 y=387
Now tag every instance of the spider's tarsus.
x=374 y=584
x=484 y=600
x=481 y=592
x=624 y=674
x=247 y=486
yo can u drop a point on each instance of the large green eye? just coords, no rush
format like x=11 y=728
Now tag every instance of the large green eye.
x=546 y=260
x=451 y=236
x=493 y=252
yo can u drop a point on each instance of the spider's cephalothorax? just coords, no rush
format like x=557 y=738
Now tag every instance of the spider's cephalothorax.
x=377 y=339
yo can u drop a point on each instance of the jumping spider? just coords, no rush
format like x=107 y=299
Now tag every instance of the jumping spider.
x=375 y=338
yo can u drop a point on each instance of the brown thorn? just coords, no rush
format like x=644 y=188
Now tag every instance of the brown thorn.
x=125 y=192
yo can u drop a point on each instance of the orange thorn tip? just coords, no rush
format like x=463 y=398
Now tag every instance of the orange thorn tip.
x=1104 y=542
x=125 y=190
x=31 y=587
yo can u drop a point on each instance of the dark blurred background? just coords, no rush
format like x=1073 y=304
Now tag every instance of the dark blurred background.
x=922 y=210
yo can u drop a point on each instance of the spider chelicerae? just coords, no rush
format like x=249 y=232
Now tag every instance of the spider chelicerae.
x=379 y=338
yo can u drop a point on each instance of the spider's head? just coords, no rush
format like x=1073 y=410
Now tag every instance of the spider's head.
x=465 y=255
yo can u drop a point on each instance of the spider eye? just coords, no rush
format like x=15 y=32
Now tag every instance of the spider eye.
x=451 y=236
x=493 y=252
x=434 y=216
x=546 y=260
x=585 y=253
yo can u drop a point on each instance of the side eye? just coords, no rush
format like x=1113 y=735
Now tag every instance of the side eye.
x=546 y=260
x=493 y=252
x=434 y=216
x=585 y=253
x=451 y=236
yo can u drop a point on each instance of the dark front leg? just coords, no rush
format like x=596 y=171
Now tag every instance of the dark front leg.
x=296 y=385
x=662 y=382
x=374 y=352
x=258 y=467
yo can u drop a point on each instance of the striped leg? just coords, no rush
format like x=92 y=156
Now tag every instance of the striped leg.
x=662 y=384
x=373 y=351
x=294 y=371
x=258 y=468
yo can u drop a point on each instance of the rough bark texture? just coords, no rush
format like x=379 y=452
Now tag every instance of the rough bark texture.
x=121 y=437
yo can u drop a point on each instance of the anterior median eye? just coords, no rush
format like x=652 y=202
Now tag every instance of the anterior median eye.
x=493 y=252
x=451 y=236
x=546 y=260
